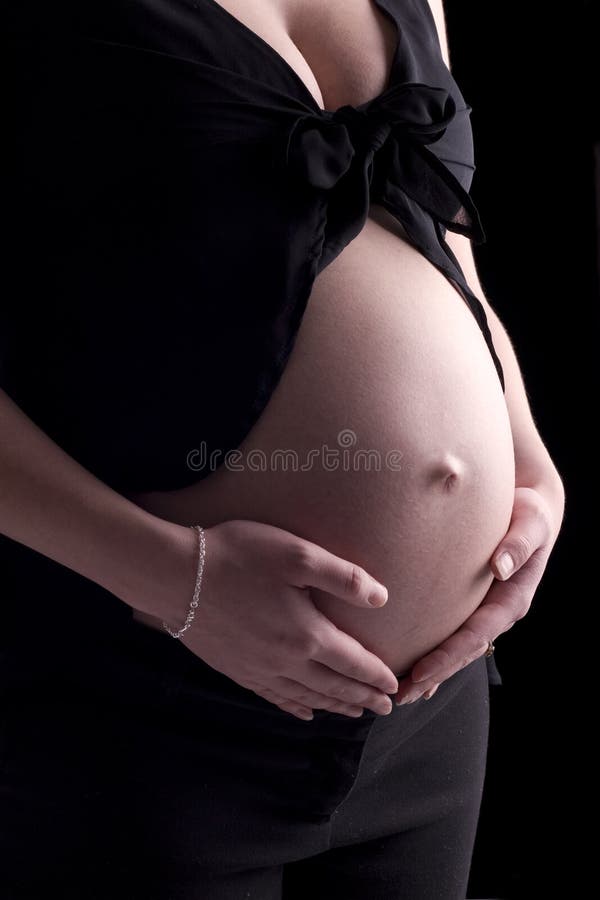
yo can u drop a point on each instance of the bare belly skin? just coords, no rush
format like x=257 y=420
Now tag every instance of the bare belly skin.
x=389 y=360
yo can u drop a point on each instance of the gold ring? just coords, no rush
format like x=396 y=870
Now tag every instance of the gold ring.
x=490 y=648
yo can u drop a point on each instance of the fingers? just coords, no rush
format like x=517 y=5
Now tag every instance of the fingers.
x=416 y=693
x=313 y=566
x=303 y=694
x=305 y=710
x=519 y=564
x=506 y=602
x=332 y=672
x=320 y=688
x=345 y=655
x=429 y=694
x=296 y=709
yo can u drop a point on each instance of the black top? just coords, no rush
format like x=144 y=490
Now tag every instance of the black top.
x=174 y=191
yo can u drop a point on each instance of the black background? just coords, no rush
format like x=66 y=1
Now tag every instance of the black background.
x=529 y=72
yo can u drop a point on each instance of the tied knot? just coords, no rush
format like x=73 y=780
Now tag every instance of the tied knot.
x=321 y=146
x=417 y=111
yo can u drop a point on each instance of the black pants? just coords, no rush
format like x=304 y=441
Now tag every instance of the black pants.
x=138 y=772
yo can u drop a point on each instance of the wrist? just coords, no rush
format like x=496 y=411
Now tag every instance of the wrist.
x=158 y=573
x=549 y=486
x=534 y=468
x=544 y=479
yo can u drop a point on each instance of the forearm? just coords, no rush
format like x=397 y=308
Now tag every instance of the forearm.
x=532 y=459
x=55 y=506
x=533 y=462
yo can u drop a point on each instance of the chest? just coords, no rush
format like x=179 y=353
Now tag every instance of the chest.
x=342 y=50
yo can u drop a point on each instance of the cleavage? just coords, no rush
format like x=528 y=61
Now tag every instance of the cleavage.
x=341 y=50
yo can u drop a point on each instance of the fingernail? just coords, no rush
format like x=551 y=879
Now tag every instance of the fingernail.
x=425 y=675
x=429 y=694
x=505 y=565
x=410 y=698
x=379 y=596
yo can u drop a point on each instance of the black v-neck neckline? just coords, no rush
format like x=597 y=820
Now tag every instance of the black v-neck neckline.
x=274 y=54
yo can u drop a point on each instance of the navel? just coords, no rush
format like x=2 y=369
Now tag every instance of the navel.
x=448 y=472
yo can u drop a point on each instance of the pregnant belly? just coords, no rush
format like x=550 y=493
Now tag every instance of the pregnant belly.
x=387 y=441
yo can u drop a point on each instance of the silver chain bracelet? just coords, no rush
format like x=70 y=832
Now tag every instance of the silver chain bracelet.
x=200 y=571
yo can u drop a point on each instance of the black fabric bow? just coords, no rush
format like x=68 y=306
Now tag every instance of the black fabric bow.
x=322 y=148
x=379 y=152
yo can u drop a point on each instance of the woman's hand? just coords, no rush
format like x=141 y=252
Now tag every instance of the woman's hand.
x=257 y=624
x=518 y=564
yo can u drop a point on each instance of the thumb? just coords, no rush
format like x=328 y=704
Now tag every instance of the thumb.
x=527 y=532
x=343 y=579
